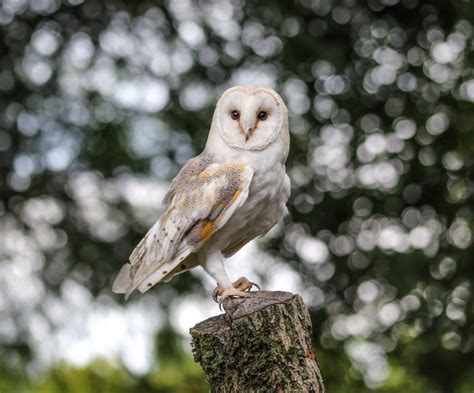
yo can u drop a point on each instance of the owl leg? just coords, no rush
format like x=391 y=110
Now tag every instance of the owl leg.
x=214 y=266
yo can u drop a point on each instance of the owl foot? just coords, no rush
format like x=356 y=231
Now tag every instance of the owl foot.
x=220 y=294
x=239 y=290
x=244 y=284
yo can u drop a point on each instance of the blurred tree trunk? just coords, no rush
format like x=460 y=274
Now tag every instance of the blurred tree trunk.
x=261 y=343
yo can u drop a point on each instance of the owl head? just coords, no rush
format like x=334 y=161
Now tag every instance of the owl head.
x=250 y=117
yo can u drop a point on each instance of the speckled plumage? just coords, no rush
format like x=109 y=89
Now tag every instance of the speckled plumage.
x=233 y=192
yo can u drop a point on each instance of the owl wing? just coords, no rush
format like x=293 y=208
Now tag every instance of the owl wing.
x=200 y=201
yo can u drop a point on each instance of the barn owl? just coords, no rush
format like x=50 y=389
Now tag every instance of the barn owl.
x=234 y=191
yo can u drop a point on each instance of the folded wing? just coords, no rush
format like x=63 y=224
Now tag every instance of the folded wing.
x=201 y=199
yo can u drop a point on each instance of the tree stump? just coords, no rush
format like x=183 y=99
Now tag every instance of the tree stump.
x=261 y=343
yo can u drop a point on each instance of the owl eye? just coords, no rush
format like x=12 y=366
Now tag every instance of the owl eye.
x=235 y=115
x=262 y=115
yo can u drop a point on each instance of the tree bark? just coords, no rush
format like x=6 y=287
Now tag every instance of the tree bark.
x=261 y=344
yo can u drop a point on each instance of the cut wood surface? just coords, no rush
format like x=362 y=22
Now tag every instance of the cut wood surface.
x=261 y=344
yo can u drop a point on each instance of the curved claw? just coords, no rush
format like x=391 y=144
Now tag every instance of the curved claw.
x=216 y=293
x=255 y=285
x=240 y=289
x=245 y=285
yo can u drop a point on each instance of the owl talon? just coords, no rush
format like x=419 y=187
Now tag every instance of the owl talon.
x=216 y=293
x=256 y=285
x=240 y=288
x=220 y=294
x=244 y=284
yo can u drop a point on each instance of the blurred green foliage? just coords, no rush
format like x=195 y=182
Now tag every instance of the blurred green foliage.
x=100 y=376
x=103 y=101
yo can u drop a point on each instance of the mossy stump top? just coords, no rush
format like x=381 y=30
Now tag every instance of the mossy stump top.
x=261 y=344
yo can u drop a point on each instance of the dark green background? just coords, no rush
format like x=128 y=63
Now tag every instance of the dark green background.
x=360 y=67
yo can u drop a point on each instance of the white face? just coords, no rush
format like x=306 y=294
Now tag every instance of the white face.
x=250 y=118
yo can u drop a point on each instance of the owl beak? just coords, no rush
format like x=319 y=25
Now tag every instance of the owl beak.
x=248 y=133
x=248 y=127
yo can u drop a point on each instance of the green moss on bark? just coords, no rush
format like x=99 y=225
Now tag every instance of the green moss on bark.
x=262 y=343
